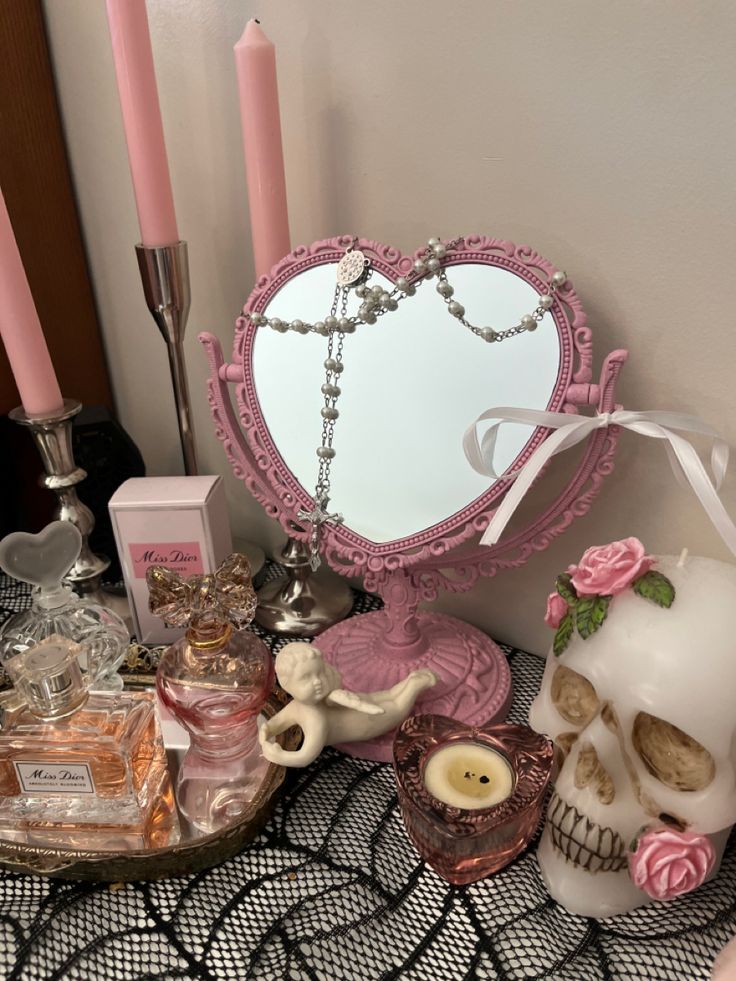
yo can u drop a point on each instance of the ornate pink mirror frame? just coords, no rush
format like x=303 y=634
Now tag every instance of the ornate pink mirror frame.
x=376 y=650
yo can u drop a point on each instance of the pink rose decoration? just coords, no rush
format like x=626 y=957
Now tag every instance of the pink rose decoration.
x=556 y=610
x=668 y=863
x=606 y=570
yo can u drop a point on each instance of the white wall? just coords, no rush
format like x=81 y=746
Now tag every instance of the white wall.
x=600 y=133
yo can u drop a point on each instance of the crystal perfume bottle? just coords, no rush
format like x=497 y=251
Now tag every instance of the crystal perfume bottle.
x=215 y=681
x=80 y=769
x=43 y=560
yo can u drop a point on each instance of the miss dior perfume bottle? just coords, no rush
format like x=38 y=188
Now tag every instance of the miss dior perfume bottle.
x=43 y=560
x=80 y=769
x=215 y=681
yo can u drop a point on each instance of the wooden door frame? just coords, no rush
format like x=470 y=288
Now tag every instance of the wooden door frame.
x=37 y=185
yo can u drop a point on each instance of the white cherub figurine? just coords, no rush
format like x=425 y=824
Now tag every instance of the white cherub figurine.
x=328 y=714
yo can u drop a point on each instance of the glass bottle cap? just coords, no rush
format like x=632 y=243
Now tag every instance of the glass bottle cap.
x=209 y=605
x=43 y=560
x=49 y=678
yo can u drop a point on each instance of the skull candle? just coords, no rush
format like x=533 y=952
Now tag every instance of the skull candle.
x=638 y=694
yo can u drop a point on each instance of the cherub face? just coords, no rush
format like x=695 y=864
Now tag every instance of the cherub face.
x=309 y=680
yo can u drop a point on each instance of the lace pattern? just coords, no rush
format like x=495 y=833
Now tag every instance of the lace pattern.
x=332 y=890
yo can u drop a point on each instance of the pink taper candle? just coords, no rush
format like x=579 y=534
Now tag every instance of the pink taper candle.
x=255 y=61
x=144 y=133
x=21 y=331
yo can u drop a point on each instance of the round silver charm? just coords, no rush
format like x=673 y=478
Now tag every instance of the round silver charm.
x=351 y=268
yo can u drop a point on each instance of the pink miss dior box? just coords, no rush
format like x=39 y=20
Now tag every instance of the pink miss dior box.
x=179 y=522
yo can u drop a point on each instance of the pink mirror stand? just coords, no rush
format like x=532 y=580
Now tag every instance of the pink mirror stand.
x=374 y=650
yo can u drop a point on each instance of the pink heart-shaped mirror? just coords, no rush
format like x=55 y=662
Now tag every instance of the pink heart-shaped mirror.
x=412 y=384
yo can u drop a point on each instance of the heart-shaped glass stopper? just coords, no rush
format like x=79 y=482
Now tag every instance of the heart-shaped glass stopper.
x=43 y=559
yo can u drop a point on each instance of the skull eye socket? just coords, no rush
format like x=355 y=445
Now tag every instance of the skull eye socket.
x=670 y=755
x=573 y=696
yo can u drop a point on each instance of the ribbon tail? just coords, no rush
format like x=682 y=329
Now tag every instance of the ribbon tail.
x=488 y=450
x=719 y=460
x=563 y=438
x=473 y=452
x=677 y=468
x=704 y=490
x=659 y=424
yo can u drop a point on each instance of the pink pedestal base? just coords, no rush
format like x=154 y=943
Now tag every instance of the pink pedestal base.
x=475 y=680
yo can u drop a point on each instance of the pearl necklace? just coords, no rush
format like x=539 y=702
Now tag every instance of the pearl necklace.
x=353 y=272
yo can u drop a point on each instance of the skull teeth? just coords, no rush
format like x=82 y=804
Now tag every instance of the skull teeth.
x=581 y=841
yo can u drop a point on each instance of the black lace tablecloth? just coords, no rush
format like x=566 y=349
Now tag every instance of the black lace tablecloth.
x=332 y=889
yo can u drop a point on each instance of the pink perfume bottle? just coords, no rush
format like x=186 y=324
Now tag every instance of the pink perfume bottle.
x=214 y=680
x=471 y=798
x=80 y=769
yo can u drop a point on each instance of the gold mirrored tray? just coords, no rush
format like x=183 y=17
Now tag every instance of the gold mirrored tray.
x=191 y=854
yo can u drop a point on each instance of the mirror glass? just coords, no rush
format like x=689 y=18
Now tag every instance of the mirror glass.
x=412 y=385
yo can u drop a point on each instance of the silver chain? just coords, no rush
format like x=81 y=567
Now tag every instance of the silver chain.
x=331 y=390
x=353 y=271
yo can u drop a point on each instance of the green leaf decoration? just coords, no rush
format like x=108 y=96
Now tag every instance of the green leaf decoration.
x=563 y=634
x=655 y=587
x=565 y=588
x=590 y=613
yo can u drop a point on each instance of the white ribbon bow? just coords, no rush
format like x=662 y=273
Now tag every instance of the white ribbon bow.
x=571 y=429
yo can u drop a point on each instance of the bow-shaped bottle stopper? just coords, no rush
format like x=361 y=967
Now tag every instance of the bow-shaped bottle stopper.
x=209 y=605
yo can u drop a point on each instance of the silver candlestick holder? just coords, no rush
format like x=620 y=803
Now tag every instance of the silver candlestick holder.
x=53 y=437
x=165 y=277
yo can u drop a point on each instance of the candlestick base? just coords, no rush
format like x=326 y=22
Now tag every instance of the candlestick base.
x=302 y=603
x=53 y=438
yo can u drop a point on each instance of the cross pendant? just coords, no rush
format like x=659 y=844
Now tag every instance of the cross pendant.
x=317 y=517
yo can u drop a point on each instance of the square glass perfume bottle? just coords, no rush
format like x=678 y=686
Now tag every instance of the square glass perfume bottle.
x=80 y=769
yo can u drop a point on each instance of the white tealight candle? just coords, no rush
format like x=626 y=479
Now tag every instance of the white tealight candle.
x=468 y=775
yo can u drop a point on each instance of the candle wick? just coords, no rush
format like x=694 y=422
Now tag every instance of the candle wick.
x=256 y=20
x=683 y=558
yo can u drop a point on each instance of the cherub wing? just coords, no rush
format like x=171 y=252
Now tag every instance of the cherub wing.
x=348 y=699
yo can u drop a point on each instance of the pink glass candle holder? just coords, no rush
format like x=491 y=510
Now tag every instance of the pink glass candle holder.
x=497 y=773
